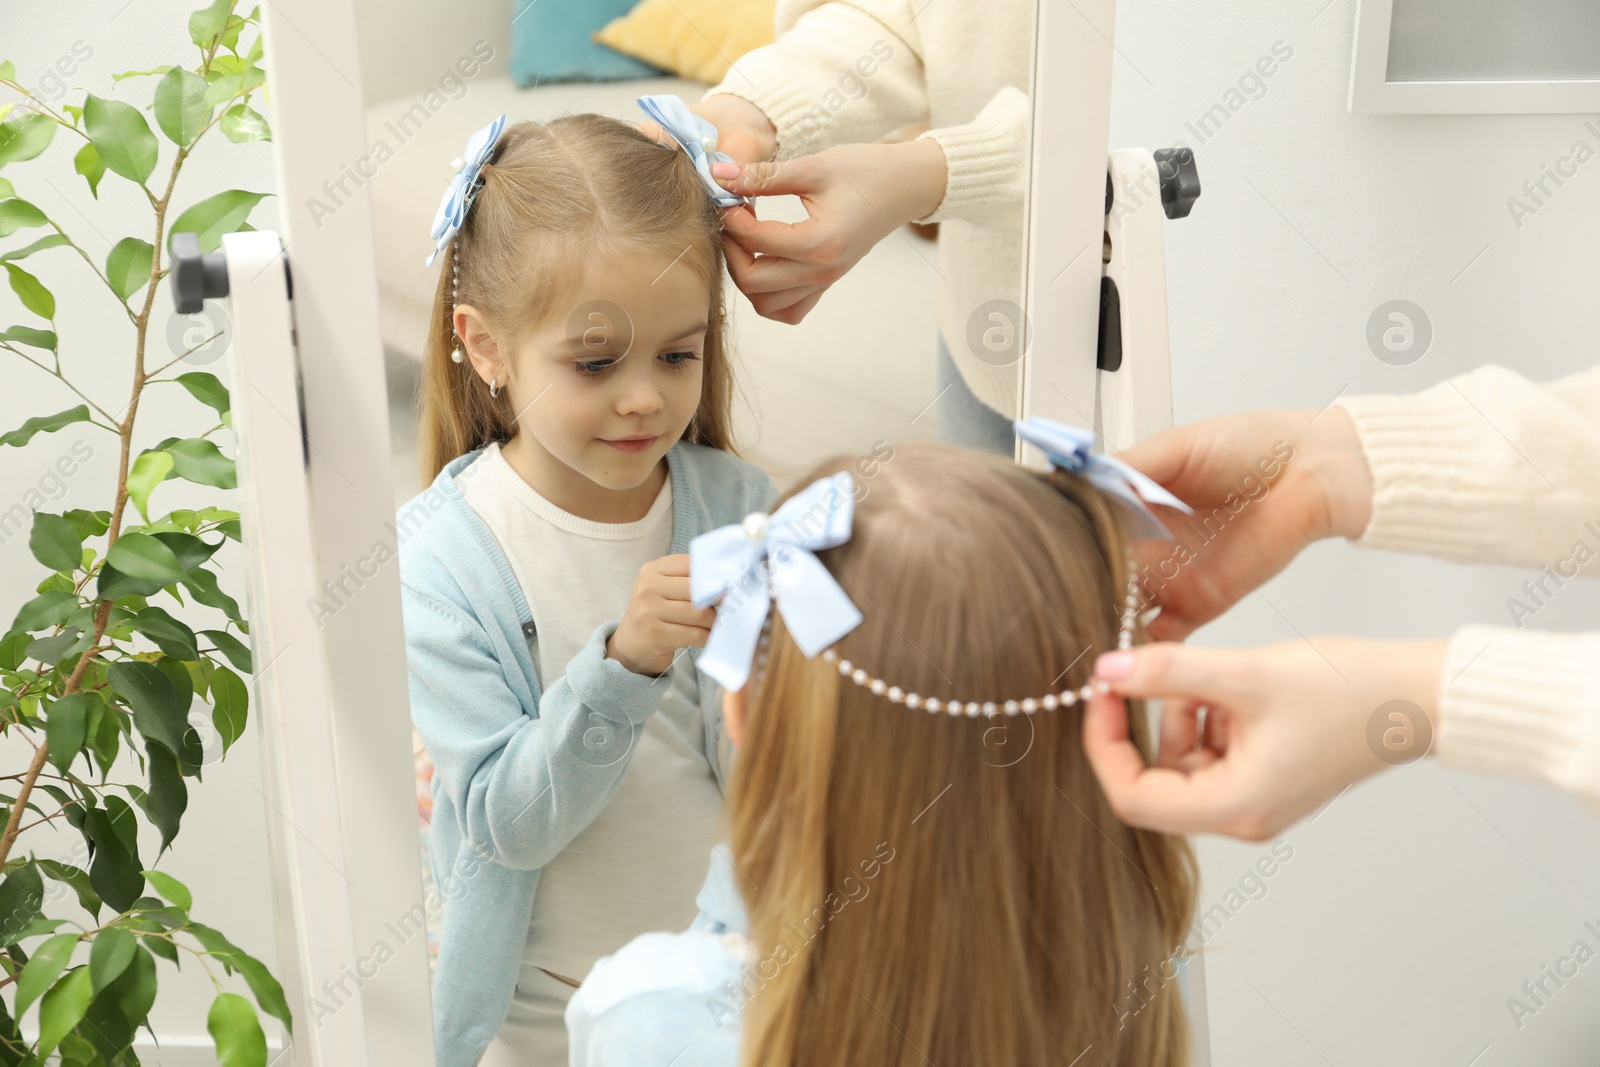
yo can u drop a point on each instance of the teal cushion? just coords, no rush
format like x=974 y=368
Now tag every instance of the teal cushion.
x=551 y=41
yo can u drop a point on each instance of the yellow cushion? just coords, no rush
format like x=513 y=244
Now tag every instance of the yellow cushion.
x=694 y=39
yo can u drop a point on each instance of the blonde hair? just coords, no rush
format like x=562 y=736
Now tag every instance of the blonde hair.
x=1015 y=910
x=553 y=193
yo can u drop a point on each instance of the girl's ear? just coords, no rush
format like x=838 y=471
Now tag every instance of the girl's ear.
x=479 y=343
x=733 y=709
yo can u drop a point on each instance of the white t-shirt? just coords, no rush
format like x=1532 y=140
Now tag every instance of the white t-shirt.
x=638 y=865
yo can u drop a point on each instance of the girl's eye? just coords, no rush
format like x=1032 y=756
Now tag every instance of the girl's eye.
x=674 y=360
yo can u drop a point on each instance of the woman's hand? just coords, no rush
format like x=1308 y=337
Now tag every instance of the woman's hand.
x=660 y=618
x=1263 y=486
x=1286 y=728
x=743 y=130
x=855 y=195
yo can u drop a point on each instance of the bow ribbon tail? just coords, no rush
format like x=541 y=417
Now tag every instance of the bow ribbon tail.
x=731 y=646
x=815 y=610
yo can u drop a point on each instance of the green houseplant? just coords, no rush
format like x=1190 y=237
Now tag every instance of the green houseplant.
x=94 y=663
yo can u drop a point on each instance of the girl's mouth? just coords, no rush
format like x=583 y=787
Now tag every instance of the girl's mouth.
x=632 y=444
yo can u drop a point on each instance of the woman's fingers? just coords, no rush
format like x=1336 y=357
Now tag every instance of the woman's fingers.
x=1159 y=798
x=1179 y=732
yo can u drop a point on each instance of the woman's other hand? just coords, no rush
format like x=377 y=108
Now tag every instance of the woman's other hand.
x=1263 y=486
x=743 y=130
x=1286 y=728
x=855 y=195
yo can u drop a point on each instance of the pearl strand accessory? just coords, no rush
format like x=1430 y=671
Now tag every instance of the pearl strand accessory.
x=972 y=708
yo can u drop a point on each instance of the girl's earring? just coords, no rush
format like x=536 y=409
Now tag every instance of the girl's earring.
x=455 y=354
x=494 y=386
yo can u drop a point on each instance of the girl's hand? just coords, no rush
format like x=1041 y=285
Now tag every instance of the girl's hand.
x=1263 y=486
x=660 y=618
x=1287 y=728
x=855 y=195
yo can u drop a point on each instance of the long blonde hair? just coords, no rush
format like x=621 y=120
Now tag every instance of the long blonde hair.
x=552 y=193
x=1014 y=910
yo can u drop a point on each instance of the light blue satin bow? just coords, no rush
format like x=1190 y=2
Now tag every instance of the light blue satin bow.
x=728 y=560
x=698 y=138
x=1068 y=448
x=463 y=188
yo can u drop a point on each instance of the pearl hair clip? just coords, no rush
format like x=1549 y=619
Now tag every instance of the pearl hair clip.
x=972 y=708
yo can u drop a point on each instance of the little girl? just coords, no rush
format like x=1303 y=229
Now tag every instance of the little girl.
x=922 y=866
x=575 y=432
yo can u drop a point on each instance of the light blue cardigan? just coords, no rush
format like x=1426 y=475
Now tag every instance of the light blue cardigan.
x=520 y=770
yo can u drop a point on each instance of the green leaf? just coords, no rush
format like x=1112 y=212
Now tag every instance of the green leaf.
x=205 y=388
x=128 y=265
x=62 y=1009
x=50 y=240
x=150 y=469
x=89 y=164
x=88 y=523
x=174 y=638
x=199 y=460
x=16 y=214
x=202 y=585
x=57 y=648
x=21 y=895
x=121 y=135
x=242 y=123
x=230 y=699
x=231 y=80
x=168 y=797
x=32 y=292
x=45 y=423
x=268 y=993
x=27 y=335
x=171 y=888
x=140 y=73
x=114 y=871
x=159 y=710
x=24 y=135
x=217 y=215
x=13 y=648
x=208 y=23
x=181 y=108
x=45 y=611
x=237 y=1032
x=55 y=543
x=78 y=880
x=136 y=990
x=190 y=550
x=110 y=955
x=8 y=71
x=143 y=556
x=47 y=961
x=67 y=727
x=236 y=651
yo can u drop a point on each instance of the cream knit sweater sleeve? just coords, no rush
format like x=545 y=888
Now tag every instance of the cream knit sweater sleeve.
x=1490 y=467
x=846 y=72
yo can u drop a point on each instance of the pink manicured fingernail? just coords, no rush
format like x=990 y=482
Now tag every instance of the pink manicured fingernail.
x=724 y=170
x=1114 y=666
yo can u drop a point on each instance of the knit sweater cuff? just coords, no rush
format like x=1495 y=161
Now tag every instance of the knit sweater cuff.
x=607 y=686
x=1429 y=490
x=789 y=102
x=1523 y=703
x=985 y=160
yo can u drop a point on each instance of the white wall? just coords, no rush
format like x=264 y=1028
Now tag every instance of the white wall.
x=220 y=851
x=1418 y=903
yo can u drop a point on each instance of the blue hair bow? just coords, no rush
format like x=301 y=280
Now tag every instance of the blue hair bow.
x=463 y=188
x=728 y=560
x=1068 y=448
x=698 y=138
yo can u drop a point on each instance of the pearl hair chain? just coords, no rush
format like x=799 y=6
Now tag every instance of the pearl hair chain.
x=972 y=708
